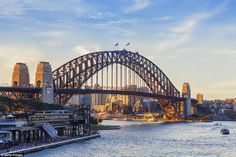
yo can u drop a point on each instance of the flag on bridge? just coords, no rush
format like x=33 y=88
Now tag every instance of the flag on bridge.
x=116 y=44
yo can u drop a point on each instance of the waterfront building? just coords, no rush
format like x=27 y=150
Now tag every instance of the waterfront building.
x=138 y=107
x=132 y=99
x=20 y=75
x=74 y=99
x=43 y=126
x=99 y=99
x=151 y=106
x=85 y=99
x=123 y=98
x=200 y=98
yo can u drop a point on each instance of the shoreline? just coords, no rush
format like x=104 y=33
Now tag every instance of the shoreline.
x=47 y=146
x=105 y=127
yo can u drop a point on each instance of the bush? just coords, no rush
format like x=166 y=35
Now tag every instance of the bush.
x=13 y=105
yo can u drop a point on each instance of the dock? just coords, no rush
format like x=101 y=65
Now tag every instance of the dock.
x=49 y=145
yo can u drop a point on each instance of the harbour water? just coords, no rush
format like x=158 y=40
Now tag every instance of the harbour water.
x=138 y=139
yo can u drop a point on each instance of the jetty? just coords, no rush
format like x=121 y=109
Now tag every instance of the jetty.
x=21 y=151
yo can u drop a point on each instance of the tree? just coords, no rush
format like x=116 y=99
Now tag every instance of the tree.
x=100 y=121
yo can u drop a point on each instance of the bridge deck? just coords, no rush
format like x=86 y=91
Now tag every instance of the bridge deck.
x=92 y=91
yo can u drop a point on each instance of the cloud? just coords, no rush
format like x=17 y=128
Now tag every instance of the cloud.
x=218 y=90
x=13 y=53
x=165 y=18
x=182 y=33
x=82 y=50
x=53 y=43
x=52 y=38
x=11 y=8
x=18 y=8
x=100 y=15
x=137 y=5
x=224 y=85
x=53 y=33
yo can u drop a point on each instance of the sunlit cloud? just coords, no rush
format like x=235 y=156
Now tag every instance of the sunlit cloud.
x=137 y=5
x=82 y=50
x=13 y=53
x=224 y=85
x=53 y=33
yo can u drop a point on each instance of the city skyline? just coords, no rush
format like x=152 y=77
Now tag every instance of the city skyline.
x=168 y=33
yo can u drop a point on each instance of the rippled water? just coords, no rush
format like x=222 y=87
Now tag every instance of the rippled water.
x=142 y=139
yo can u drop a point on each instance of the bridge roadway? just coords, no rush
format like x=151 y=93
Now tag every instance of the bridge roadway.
x=21 y=89
x=91 y=91
x=124 y=92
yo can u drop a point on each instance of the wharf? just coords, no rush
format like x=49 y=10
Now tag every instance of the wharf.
x=18 y=151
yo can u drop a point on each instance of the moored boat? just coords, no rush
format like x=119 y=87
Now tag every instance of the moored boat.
x=224 y=131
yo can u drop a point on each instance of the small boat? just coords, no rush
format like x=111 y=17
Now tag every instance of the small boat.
x=224 y=131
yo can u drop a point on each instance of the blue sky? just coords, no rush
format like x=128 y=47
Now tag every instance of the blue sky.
x=190 y=40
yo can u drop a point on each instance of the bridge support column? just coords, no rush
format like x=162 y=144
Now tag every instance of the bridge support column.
x=186 y=93
x=44 y=80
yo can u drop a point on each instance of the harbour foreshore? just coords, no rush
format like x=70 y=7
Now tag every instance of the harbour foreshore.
x=19 y=151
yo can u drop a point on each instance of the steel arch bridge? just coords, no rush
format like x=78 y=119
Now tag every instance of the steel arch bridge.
x=126 y=70
x=73 y=75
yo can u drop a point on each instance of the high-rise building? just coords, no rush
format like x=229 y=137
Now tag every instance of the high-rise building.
x=143 y=89
x=74 y=99
x=85 y=99
x=99 y=99
x=20 y=75
x=200 y=98
x=132 y=99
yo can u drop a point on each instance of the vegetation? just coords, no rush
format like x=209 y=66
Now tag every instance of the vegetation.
x=93 y=121
x=9 y=105
x=203 y=110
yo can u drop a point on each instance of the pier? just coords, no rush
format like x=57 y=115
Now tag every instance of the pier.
x=21 y=151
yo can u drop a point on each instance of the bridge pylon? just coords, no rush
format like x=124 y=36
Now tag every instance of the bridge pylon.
x=44 y=79
x=186 y=93
x=20 y=75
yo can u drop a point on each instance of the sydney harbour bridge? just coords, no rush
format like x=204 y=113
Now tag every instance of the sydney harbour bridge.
x=105 y=72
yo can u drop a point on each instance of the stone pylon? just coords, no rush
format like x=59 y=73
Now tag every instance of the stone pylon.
x=44 y=79
x=186 y=93
x=20 y=75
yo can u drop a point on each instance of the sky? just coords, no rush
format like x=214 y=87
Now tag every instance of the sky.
x=192 y=41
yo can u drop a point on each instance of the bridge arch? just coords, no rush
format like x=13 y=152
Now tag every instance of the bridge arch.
x=76 y=72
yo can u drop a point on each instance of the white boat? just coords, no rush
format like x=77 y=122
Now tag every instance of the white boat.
x=224 y=131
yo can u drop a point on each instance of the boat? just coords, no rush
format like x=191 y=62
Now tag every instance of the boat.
x=224 y=131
